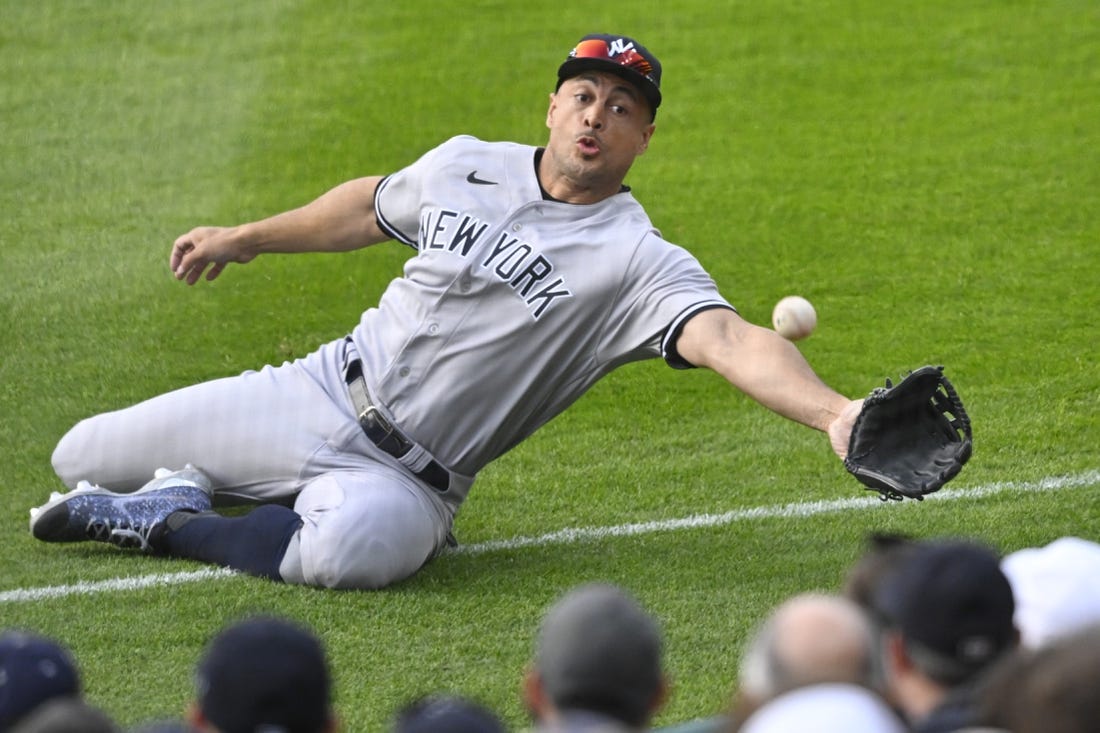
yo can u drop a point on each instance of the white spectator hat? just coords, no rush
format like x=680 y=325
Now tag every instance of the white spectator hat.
x=1057 y=588
x=825 y=708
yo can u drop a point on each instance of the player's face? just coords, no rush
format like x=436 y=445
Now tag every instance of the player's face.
x=599 y=124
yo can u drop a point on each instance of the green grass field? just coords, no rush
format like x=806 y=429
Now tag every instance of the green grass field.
x=927 y=173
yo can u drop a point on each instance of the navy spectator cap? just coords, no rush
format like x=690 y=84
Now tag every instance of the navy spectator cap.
x=447 y=714
x=33 y=670
x=265 y=674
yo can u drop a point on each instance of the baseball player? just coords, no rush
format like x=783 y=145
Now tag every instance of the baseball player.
x=533 y=273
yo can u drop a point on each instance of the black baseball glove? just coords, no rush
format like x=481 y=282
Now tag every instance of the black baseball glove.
x=911 y=438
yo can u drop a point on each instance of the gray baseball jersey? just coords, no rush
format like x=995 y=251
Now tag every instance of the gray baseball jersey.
x=511 y=308
x=514 y=305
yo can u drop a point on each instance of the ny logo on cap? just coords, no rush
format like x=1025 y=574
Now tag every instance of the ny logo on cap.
x=619 y=46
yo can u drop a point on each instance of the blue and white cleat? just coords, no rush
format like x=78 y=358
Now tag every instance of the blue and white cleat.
x=90 y=512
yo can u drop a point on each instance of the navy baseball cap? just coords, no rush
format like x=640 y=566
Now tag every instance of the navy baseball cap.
x=619 y=55
x=33 y=670
x=953 y=606
x=447 y=714
x=267 y=674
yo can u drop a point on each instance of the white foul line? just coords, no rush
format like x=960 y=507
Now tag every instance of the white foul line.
x=115 y=584
x=800 y=510
x=584 y=534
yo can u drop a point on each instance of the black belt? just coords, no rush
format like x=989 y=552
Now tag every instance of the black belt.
x=383 y=434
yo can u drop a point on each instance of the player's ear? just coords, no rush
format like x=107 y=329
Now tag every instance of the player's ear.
x=550 y=109
x=647 y=135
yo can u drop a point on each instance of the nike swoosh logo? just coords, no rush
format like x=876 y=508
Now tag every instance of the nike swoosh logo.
x=472 y=178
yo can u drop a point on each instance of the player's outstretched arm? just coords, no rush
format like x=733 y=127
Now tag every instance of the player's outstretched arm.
x=340 y=220
x=769 y=369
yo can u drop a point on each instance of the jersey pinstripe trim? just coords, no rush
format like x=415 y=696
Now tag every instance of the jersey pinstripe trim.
x=389 y=229
x=668 y=343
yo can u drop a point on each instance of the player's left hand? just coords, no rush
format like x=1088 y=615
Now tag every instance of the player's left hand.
x=840 y=429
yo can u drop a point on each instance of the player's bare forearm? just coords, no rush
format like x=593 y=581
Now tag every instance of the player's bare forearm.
x=340 y=220
x=767 y=368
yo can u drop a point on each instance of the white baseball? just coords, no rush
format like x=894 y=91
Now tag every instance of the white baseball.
x=794 y=318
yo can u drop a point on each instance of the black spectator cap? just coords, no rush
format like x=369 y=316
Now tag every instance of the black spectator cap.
x=265 y=674
x=953 y=606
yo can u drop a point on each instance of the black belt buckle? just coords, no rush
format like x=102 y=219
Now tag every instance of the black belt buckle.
x=388 y=438
x=372 y=416
x=382 y=433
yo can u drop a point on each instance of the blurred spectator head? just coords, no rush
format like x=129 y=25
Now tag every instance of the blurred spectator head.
x=952 y=607
x=1056 y=587
x=264 y=674
x=66 y=715
x=825 y=708
x=446 y=714
x=811 y=638
x=33 y=670
x=1050 y=689
x=597 y=651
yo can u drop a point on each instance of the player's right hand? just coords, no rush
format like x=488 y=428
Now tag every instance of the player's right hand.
x=204 y=247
